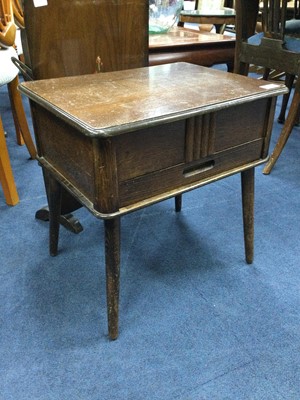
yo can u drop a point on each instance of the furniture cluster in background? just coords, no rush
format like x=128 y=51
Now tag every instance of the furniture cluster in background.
x=193 y=41
x=11 y=18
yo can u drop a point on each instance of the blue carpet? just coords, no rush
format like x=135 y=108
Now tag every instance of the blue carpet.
x=196 y=322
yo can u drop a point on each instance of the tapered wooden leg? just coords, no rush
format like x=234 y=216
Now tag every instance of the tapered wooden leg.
x=112 y=260
x=289 y=80
x=178 y=202
x=6 y=174
x=290 y=121
x=248 y=212
x=54 y=201
x=20 y=117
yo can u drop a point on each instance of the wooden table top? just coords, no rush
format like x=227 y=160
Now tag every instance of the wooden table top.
x=186 y=37
x=112 y=103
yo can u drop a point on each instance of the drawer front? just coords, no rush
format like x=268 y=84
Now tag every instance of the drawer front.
x=184 y=175
x=149 y=150
x=173 y=156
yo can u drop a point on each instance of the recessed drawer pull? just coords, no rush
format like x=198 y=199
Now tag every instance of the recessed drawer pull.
x=198 y=168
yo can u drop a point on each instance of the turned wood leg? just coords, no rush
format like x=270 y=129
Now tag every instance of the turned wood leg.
x=112 y=260
x=248 y=212
x=54 y=201
x=286 y=130
x=178 y=202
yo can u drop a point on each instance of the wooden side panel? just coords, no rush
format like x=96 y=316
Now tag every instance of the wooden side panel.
x=65 y=37
x=68 y=150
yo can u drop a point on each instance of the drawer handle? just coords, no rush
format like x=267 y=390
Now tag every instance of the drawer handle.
x=198 y=168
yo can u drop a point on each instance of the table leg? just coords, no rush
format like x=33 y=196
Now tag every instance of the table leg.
x=248 y=212
x=112 y=260
x=178 y=202
x=54 y=201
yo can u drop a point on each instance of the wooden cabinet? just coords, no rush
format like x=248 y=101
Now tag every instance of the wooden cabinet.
x=65 y=38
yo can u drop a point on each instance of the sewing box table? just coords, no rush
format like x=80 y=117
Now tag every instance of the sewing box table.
x=120 y=141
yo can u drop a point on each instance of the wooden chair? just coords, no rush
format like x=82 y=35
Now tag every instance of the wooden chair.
x=272 y=48
x=7 y=75
x=292 y=27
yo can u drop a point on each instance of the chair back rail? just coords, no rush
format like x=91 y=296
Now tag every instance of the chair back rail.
x=18 y=13
x=7 y=25
x=277 y=48
x=271 y=52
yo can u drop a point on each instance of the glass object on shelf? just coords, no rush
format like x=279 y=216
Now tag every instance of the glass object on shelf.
x=163 y=14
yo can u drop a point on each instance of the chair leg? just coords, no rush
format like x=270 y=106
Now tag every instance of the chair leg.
x=6 y=174
x=286 y=130
x=20 y=117
x=289 y=80
x=19 y=137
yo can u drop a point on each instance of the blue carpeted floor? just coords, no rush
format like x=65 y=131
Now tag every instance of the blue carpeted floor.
x=196 y=322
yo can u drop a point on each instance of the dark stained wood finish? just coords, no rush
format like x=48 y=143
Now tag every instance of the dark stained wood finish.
x=136 y=142
x=54 y=199
x=187 y=45
x=248 y=212
x=65 y=39
x=68 y=38
x=112 y=260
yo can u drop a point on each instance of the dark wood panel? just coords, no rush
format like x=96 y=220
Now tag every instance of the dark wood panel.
x=179 y=176
x=66 y=37
x=150 y=149
x=64 y=147
x=245 y=122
